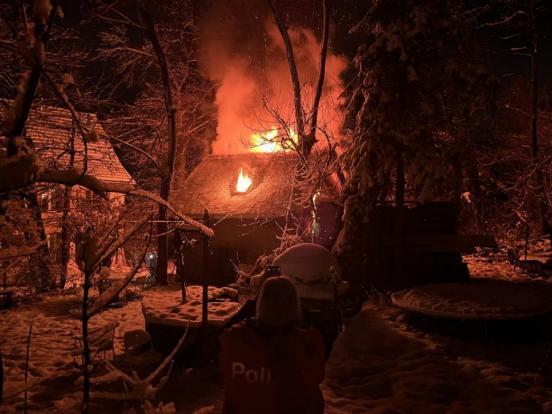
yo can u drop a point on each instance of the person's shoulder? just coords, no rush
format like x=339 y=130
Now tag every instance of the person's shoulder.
x=237 y=330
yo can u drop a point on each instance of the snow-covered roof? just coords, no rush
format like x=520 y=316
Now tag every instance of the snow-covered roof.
x=51 y=128
x=211 y=186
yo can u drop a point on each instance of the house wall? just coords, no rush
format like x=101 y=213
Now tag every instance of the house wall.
x=236 y=241
x=82 y=206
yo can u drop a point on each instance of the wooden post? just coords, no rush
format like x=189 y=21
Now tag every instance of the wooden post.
x=179 y=247
x=205 y=290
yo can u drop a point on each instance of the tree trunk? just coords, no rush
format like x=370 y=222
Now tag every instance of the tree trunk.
x=65 y=237
x=166 y=173
x=66 y=207
x=162 y=246
x=399 y=251
x=400 y=182
x=533 y=128
x=299 y=116
x=42 y=258
x=309 y=143
x=1 y=378
x=43 y=35
x=85 y=347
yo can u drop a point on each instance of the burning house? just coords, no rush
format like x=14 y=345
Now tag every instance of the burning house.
x=249 y=198
x=248 y=185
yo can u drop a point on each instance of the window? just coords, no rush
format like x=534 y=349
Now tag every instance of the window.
x=58 y=198
x=44 y=200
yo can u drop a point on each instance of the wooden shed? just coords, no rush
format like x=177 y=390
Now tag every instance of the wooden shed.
x=246 y=224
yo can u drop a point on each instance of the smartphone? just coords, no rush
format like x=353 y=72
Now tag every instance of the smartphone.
x=273 y=271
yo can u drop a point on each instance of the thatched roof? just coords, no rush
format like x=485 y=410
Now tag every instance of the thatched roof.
x=51 y=128
x=211 y=186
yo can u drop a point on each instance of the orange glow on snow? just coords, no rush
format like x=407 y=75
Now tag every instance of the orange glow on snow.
x=269 y=141
x=244 y=182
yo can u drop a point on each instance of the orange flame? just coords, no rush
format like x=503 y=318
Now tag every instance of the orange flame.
x=244 y=182
x=269 y=141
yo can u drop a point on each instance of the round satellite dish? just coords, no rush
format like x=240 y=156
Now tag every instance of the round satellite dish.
x=313 y=269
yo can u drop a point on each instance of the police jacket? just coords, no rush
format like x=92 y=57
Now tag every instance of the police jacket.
x=272 y=372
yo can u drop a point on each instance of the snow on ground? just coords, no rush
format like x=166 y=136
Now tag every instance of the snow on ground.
x=51 y=360
x=52 y=345
x=481 y=299
x=496 y=267
x=164 y=305
x=379 y=364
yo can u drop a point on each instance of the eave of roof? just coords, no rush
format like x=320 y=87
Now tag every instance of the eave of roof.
x=211 y=187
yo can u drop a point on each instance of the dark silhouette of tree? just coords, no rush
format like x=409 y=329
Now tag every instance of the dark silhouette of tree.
x=415 y=94
x=519 y=26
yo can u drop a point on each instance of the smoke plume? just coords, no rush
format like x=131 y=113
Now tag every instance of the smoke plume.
x=243 y=53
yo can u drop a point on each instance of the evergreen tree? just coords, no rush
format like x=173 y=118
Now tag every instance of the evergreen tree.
x=416 y=100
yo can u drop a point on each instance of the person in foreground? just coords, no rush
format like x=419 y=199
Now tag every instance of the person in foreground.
x=269 y=364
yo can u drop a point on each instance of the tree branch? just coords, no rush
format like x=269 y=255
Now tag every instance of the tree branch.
x=506 y=20
x=322 y=73
x=29 y=93
x=76 y=119
x=137 y=149
x=118 y=287
x=292 y=69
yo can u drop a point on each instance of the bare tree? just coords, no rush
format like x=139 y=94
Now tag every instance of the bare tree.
x=315 y=169
x=306 y=122
x=523 y=21
x=22 y=168
x=160 y=123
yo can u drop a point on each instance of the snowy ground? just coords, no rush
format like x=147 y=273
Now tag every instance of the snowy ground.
x=380 y=364
x=383 y=364
x=51 y=362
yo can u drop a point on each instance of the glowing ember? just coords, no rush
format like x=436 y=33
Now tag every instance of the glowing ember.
x=270 y=141
x=244 y=182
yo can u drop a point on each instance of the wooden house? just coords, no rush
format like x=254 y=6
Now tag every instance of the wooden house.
x=52 y=132
x=249 y=223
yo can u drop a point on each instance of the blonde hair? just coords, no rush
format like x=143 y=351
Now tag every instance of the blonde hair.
x=278 y=303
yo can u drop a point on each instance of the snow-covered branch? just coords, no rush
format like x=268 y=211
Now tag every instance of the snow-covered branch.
x=142 y=389
x=117 y=287
x=29 y=173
